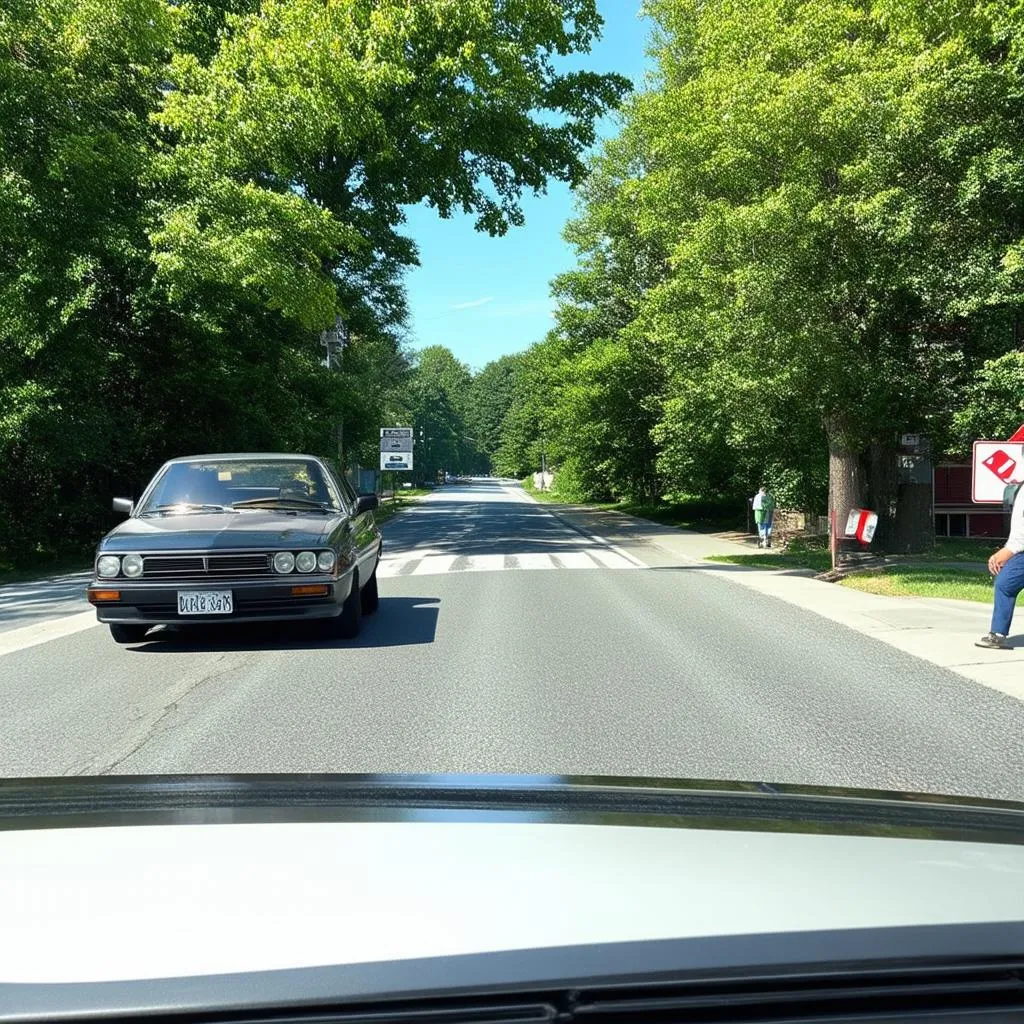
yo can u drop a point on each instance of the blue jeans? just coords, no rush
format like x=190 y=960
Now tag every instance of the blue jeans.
x=1009 y=583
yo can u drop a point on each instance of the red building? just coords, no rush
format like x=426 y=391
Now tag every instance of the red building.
x=955 y=514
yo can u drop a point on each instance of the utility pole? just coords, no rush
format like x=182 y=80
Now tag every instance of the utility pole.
x=334 y=341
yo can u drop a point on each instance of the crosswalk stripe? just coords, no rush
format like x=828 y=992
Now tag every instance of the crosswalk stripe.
x=433 y=564
x=486 y=563
x=436 y=564
x=575 y=560
x=610 y=559
x=533 y=560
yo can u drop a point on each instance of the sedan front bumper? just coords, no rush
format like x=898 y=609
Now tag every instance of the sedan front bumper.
x=156 y=604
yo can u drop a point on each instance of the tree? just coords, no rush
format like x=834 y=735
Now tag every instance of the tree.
x=994 y=402
x=438 y=399
x=804 y=241
x=191 y=189
x=492 y=396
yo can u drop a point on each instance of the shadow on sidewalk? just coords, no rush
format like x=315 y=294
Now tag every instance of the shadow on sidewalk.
x=729 y=567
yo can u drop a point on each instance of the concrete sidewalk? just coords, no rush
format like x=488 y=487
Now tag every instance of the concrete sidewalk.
x=938 y=631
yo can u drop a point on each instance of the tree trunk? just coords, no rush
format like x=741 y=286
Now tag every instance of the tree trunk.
x=845 y=478
x=913 y=530
x=882 y=489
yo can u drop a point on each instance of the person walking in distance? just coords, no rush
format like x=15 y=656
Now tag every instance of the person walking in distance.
x=764 y=512
x=1007 y=565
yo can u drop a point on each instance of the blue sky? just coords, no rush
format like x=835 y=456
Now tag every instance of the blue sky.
x=484 y=297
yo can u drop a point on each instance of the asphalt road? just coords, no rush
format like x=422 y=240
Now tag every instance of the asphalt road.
x=507 y=641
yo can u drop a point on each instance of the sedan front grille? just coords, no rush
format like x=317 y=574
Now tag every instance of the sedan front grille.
x=206 y=567
x=238 y=565
x=159 y=566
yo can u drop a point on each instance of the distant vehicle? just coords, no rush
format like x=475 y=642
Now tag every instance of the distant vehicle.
x=239 y=538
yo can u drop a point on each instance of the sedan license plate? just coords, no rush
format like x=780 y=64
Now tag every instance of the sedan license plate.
x=205 y=602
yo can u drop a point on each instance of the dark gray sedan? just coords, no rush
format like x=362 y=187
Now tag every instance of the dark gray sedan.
x=239 y=538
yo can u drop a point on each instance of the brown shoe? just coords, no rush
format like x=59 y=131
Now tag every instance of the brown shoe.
x=993 y=641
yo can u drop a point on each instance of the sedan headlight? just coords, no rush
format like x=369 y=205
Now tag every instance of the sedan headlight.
x=305 y=561
x=131 y=565
x=284 y=561
x=325 y=561
x=108 y=565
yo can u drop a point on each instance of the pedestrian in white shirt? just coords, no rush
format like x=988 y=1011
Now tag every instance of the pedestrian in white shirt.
x=1007 y=565
x=763 y=505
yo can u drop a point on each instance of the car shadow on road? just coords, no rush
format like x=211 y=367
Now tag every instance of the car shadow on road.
x=398 y=622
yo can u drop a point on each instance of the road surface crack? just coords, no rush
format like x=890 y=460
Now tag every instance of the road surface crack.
x=156 y=721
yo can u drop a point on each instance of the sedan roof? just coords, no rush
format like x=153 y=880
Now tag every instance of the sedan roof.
x=244 y=456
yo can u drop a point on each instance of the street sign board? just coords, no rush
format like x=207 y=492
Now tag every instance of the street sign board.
x=396 y=439
x=400 y=461
x=995 y=464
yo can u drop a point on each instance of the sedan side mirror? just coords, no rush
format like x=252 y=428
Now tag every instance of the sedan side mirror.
x=124 y=505
x=365 y=503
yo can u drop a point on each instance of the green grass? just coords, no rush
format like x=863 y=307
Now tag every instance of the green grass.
x=686 y=514
x=390 y=507
x=530 y=488
x=683 y=512
x=964 y=549
x=921 y=581
x=802 y=553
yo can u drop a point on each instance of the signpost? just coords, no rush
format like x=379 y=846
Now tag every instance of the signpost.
x=396 y=449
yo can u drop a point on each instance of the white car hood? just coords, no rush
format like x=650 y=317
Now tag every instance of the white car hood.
x=134 y=902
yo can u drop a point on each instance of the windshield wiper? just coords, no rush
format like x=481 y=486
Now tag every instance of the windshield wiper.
x=292 y=504
x=186 y=506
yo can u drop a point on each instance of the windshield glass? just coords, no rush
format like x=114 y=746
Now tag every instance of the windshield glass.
x=622 y=388
x=204 y=484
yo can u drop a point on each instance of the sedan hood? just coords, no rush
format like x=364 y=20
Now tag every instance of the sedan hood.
x=121 y=901
x=221 y=530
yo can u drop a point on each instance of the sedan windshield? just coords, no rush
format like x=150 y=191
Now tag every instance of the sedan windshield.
x=212 y=486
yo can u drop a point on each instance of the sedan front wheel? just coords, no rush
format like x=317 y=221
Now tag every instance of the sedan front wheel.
x=346 y=625
x=369 y=597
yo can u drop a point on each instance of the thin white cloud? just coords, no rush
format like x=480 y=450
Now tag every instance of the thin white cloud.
x=528 y=307
x=472 y=303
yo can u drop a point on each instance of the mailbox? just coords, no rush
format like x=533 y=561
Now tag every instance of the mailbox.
x=861 y=524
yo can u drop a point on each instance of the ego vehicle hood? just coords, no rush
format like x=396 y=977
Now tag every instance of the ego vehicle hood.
x=179 y=877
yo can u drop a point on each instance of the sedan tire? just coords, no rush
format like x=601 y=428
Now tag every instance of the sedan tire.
x=370 y=599
x=127 y=632
x=346 y=625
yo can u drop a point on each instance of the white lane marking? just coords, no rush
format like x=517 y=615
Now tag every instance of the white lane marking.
x=591 y=537
x=534 y=560
x=574 y=559
x=486 y=563
x=43 y=632
x=612 y=559
x=433 y=564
